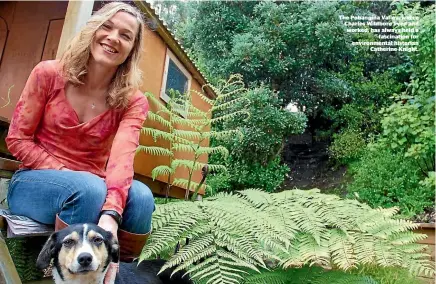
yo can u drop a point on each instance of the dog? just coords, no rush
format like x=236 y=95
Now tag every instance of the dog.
x=82 y=253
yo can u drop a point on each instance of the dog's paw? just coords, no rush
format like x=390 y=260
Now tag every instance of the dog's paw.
x=111 y=273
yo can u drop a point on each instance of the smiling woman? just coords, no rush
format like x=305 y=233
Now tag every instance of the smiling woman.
x=76 y=128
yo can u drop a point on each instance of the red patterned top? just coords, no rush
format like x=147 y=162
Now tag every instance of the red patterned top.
x=45 y=133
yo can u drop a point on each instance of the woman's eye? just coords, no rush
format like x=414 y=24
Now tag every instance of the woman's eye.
x=127 y=37
x=106 y=26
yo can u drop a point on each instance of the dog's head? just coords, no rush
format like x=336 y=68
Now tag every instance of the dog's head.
x=80 y=252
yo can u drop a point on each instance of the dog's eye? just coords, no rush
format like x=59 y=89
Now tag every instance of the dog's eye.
x=98 y=240
x=69 y=242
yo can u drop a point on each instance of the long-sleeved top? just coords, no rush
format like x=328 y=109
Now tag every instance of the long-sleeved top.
x=45 y=133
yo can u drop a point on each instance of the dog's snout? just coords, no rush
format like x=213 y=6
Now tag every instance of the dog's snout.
x=85 y=259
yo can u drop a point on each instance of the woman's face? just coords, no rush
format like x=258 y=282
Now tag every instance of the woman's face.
x=114 y=40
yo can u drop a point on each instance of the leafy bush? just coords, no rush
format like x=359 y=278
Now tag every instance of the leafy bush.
x=409 y=129
x=265 y=129
x=386 y=179
x=347 y=146
x=388 y=275
x=400 y=169
x=254 y=161
x=312 y=275
x=232 y=233
x=243 y=175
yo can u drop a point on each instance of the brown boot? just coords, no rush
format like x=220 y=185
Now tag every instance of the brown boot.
x=59 y=224
x=131 y=245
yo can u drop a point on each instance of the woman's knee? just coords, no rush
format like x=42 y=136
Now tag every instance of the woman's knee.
x=139 y=208
x=140 y=195
x=86 y=200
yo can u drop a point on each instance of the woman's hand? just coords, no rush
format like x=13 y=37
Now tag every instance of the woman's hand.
x=109 y=224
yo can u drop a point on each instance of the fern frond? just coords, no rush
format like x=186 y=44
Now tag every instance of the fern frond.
x=180 y=182
x=203 y=97
x=154 y=100
x=153 y=150
x=184 y=147
x=341 y=247
x=213 y=150
x=161 y=170
x=156 y=133
x=188 y=134
x=155 y=117
x=242 y=114
x=230 y=103
x=185 y=163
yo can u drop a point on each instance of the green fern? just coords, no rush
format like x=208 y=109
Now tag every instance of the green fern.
x=180 y=111
x=232 y=234
x=313 y=275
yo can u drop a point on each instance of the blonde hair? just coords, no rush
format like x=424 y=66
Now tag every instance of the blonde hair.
x=128 y=76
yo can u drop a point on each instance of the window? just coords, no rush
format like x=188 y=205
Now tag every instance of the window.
x=176 y=77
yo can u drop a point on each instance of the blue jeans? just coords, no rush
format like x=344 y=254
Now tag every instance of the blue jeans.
x=77 y=197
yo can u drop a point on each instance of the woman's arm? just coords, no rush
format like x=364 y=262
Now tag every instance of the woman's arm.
x=26 y=118
x=119 y=170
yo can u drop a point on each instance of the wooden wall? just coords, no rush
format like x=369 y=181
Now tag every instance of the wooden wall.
x=29 y=33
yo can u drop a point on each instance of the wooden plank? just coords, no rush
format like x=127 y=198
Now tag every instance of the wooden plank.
x=52 y=41
x=9 y=165
x=78 y=12
x=8 y=272
x=28 y=23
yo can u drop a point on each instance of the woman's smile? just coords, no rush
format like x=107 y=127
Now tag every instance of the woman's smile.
x=114 y=40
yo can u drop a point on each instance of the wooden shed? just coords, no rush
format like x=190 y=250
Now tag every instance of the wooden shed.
x=34 y=31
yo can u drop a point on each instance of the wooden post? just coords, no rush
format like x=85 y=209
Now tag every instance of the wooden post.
x=8 y=272
x=78 y=12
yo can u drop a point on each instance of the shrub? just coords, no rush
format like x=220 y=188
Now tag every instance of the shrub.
x=254 y=161
x=243 y=175
x=386 y=179
x=347 y=146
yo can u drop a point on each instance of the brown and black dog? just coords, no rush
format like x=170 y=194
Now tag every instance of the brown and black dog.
x=82 y=253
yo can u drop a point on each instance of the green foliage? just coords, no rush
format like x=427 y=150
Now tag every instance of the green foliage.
x=314 y=275
x=388 y=275
x=409 y=128
x=399 y=170
x=347 y=147
x=24 y=252
x=409 y=123
x=180 y=111
x=245 y=175
x=254 y=161
x=386 y=179
x=265 y=129
x=230 y=233
x=284 y=45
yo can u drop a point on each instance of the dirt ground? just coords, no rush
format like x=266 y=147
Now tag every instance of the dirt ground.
x=310 y=167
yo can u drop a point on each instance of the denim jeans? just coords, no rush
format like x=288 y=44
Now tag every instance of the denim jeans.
x=77 y=197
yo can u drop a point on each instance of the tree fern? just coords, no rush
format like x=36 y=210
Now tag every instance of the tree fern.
x=181 y=112
x=232 y=234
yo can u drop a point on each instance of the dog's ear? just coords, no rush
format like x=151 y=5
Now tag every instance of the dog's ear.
x=47 y=252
